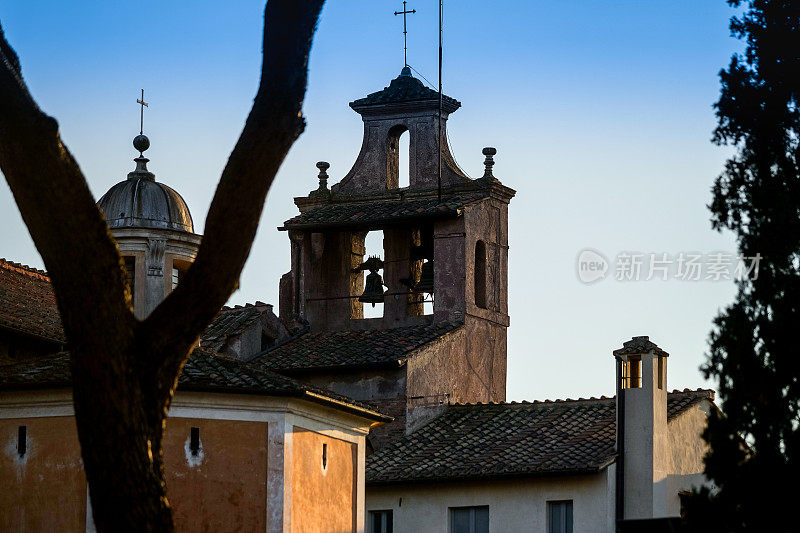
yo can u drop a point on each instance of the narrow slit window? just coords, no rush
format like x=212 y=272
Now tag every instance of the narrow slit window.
x=194 y=441
x=22 y=441
x=480 y=274
x=324 y=456
x=661 y=373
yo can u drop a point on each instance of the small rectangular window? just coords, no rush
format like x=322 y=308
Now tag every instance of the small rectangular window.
x=469 y=519
x=380 y=521
x=22 y=440
x=194 y=440
x=559 y=516
x=661 y=373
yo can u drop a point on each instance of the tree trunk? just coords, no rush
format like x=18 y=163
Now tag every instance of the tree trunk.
x=124 y=371
x=123 y=457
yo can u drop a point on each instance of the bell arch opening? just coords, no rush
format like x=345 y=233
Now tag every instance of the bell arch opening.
x=398 y=157
x=373 y=289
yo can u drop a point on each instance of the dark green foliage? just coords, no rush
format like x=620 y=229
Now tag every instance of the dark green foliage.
x=754 y=354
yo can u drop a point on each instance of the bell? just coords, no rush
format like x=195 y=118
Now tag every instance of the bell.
x=373 y=289
x=425 y=283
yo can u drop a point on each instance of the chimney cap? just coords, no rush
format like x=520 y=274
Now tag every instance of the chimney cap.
x=638 y=346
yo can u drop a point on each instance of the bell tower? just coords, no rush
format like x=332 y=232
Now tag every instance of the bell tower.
x=443 y=244
x=437 y=277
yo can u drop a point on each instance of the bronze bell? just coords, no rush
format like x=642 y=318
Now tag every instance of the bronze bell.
x=425 y=283
x=373 y=289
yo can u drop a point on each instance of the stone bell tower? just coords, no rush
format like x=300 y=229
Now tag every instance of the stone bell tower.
x=154 y=231
x=439 y=280
x=447 y=243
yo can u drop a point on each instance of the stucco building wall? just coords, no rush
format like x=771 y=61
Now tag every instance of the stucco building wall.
x=324 y=490
x=250 y=474
x=687 y=449
x=514 y=505
x=224 y=486
x=44 y=490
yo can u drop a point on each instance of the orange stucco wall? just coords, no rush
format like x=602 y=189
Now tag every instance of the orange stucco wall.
x=45 y=490
x=223 y=488
x=323 y=500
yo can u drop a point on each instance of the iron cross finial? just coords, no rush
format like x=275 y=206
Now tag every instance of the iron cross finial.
x=404 y=12
x=143 y=104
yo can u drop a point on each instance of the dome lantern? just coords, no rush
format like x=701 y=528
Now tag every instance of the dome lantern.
x=153 y=229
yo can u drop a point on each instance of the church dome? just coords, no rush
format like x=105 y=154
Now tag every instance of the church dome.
x=142 y=202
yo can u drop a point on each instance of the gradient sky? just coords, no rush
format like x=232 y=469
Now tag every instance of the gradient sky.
x=600 y=111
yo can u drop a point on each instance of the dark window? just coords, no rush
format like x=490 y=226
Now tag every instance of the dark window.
x=194 y=440
x=22 y=440
x=179 y=269
x=559 y=517
x=661 y=373
x=266 y=341
x=130 y=273
x=324 y=456
x=480 y=274
x=469 y=519
x=380 y=521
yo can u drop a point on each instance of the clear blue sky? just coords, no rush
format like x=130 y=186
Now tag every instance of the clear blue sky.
x=600 y=111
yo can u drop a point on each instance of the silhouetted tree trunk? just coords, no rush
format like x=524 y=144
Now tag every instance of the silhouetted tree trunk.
x=755 y=446
x=124 y=370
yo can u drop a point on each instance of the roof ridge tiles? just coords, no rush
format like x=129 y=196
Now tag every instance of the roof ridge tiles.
x=24 y=269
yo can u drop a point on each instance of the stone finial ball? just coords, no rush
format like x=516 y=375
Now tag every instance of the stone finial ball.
x=323 y=165
x=141 y=143
x=489 y=151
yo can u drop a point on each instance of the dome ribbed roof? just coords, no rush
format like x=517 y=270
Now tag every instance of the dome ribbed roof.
x=142 y=202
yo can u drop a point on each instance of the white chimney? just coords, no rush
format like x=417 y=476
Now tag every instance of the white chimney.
x=641 y=429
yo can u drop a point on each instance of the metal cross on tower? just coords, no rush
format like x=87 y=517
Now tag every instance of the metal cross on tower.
x=141 y=116
x=404 y=12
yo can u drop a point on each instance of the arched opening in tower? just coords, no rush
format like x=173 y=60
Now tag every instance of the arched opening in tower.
x=373 y=246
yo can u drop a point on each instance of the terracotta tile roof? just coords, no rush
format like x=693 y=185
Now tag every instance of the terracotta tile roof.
x=680 y=401
x=229 y=323
x=204 y=371
x=27 y=302
x=379 y=212
x=334 y=350
x=639 y=345
x=510 y=439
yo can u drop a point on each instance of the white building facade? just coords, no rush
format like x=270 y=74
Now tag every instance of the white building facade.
x=550 y=467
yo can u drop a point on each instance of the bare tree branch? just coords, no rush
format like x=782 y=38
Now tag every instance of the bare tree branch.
x=273 y=125
x=125 y=371
x=57 y=206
